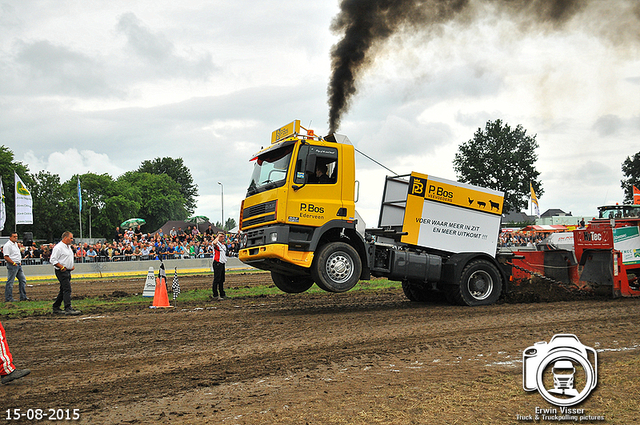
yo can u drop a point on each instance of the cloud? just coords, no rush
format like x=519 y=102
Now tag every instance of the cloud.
x=159 y=54
x=41 y=68
x=70 y=162
x=608 y=125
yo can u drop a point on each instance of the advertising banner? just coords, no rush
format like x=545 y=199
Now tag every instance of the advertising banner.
x=627 y=241
x=24 y=203
x=3 y=207
x=452 y=216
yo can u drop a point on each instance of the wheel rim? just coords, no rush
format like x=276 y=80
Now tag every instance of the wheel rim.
x=480 y=285
x=339 y=267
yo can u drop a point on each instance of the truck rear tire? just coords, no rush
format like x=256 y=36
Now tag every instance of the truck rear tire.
x=291 y=284
x=480 y=284
x=336 y=267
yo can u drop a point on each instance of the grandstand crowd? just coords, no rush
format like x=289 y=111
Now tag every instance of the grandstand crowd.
x=517 y=238
x=132 y=245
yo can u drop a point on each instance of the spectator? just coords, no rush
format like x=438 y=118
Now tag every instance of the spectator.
x=145 y=252
x=80 y=253
x=127 y=252
x=46 y=254
x=13 y=257
x=117 y=235
x=92 y=254
x=37 y=252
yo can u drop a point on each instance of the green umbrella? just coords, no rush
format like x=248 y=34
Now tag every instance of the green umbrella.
x=197 y=219
x=132 y=222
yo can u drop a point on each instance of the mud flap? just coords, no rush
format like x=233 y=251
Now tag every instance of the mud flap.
x=557 y=265
x=597 y=268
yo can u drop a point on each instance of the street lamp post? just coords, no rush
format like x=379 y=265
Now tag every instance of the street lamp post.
x=222 y=202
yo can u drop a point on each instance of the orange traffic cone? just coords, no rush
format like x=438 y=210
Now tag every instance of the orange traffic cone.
x=160 y=298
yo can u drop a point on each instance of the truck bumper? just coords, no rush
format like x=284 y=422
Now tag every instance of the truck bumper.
x=270 y=257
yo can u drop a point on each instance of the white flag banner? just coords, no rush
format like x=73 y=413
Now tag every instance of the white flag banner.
x=3 y=207
x=24 y=203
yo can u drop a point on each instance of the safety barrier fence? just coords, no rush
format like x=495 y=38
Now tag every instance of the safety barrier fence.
x=119 y=258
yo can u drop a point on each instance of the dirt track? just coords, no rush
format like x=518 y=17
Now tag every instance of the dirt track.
x=359 y=357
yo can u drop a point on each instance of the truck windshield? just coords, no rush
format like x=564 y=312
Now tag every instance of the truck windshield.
x=619 y=211
x=270 y=170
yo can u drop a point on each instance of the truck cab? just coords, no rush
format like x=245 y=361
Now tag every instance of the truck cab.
x=301 y=197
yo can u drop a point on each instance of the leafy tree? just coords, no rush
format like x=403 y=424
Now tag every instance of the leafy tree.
x=51 y=214
x=631 y=172
x=159 y=197
x=501 y=158
x=175 y=169
x=229 y=224
x=105 y=203
x=7 y=168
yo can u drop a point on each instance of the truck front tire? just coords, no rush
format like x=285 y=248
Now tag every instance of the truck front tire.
x=336 y=267
x=291 y=284
x=480 y=284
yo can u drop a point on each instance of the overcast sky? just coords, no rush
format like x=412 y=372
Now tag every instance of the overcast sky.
x=100 y=86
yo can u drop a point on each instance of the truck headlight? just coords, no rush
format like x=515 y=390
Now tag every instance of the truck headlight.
x=273 y=236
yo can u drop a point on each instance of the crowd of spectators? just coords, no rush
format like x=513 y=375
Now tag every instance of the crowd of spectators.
x=516 y=238
x=132 y=245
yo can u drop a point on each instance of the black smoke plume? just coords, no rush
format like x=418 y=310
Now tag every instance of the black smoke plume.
x=366 y=24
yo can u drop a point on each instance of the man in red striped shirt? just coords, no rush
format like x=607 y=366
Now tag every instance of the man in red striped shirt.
x=219 y=261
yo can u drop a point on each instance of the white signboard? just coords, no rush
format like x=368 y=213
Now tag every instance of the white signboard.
x=450 y=228
x=452 y=216
x=627 y=241
x=24 y=203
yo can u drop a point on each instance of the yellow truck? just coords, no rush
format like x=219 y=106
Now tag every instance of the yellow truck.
x=299 y=222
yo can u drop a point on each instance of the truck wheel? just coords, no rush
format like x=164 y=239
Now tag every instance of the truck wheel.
x=336 y=267
x=291 y=284
x=480 y=284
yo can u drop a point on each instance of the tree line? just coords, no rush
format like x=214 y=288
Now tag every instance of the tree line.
x=503 y=158
x=159 y=190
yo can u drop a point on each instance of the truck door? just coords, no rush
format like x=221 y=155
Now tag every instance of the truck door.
x=318 y=197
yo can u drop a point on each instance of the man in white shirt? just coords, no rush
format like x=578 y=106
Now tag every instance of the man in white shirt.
x=13 y=258
x=62 y=260
x=219 y=261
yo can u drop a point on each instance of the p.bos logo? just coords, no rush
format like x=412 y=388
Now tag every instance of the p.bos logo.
x=440 y=191
x=311 y=208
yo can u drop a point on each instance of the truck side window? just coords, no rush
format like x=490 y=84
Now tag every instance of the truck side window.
x=326 y=161
x=326 y=172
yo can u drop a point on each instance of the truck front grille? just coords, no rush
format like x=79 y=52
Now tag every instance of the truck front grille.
x=259 y=214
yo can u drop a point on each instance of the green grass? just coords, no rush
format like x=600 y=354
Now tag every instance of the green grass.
x=186 y=298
